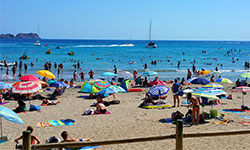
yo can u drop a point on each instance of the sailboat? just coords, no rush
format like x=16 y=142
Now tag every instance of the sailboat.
x=150 y=43
x=37 y=43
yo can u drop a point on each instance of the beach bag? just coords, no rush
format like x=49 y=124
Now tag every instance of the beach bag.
x=35 y=108
x=176 y=115
x=213 y=113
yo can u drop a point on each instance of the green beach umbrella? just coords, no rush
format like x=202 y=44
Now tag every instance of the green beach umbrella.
x=245 y=75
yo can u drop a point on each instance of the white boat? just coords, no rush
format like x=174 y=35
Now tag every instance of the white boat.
x=150 y=43
x=37 y=43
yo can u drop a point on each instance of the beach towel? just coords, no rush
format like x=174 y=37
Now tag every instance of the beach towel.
x=50 y=123
x=225 y=121
x=3 y=103
x=23 y=112
x=84 y=96
x=2 y=142
x=244 y=122
x=160 y=104
x=244 y=116
x=135 y=90
x=106 y=113
x=235 y=110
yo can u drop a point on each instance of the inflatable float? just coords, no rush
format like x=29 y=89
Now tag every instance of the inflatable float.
x=205 y=72
x=135 y=90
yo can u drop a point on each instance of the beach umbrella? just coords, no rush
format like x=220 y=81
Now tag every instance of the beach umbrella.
x=46 y=74
x=242 y=89
x=117 y=89
x=213 y=85
x=223 y=80
x=149 y=73
x=5 y=86
x=245 y=75
x=188 y=91
x=44 y=84
x=125 y=74
x=26 y=87
x=29 y=78
x=51 y=81
x=89 y=88
x=9 y=115
x=6 y=77
x=157 y=83
x=107 y=91
x=58 y=84
x=158 y=90
x=101 y=84
x=199 y=81
x=210 y=91
x=108 y=74
x=213 y=97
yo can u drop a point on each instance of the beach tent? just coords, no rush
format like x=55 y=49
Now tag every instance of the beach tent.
x=88 y=88
x=124 y=85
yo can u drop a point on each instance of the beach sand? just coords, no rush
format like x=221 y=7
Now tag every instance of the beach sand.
x=127 y=120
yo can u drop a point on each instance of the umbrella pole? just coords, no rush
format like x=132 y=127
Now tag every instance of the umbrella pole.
x=1 y=126
x=242 y=98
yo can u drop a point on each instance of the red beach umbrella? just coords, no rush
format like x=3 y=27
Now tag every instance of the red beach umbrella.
x=157 y=83
x=26 y=87
x=29 y=78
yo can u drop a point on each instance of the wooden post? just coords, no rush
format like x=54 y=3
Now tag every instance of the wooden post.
x=179 y=135
x=26 y=140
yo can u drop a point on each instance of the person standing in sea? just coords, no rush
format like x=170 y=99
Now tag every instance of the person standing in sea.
x=14 y=70
x=74 y=75
x=115 y=69
x=25 y=67
x=194 y=69
x=82 y=74
x=91 y=74
x=189 y=74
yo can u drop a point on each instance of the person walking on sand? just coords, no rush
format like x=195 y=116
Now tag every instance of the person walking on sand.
x=175 y=88
x=91 y=74
x=196 y=109
x=34 y=139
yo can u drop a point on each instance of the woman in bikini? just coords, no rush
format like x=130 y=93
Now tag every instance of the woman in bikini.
x=100 y=107
x=196 y=109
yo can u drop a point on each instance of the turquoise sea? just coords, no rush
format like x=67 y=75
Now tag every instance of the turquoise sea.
x=102 y=55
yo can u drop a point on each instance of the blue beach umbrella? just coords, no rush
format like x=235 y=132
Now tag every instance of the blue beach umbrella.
x=58 y=84
x=210 y=92
x=108 y=74
x=107 y=91
x=5 y=86
x=199 y=81
x=9 y=115
x=158 y=90
x=149 y=73
x=117 y=89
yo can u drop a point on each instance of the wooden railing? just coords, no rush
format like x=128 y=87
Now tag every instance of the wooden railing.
x=178 y=136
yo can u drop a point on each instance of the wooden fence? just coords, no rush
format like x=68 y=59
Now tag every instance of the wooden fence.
x=178 y=136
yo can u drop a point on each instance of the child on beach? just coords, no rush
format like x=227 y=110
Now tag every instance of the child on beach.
x=34 y=139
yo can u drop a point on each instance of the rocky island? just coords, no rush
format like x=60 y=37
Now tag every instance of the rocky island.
x=20 y=36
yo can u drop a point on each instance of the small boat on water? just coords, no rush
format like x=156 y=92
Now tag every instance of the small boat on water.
x=58 y=47
x=24 y=57
x=48 y=52
x=37 y=43
x=8 y=64
x=71 y=53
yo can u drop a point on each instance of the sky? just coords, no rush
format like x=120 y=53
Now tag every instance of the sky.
x=128 y=19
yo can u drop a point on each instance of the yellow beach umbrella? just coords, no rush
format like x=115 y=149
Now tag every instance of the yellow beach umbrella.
x=213 y=97
x=46 y=74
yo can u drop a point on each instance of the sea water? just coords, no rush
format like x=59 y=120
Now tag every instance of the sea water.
x=102 y=55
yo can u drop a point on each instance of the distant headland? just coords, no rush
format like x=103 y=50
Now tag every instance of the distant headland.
x=20 y=36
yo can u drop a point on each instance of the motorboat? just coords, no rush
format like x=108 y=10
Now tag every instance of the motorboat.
x=58 y=47
x=37 y=43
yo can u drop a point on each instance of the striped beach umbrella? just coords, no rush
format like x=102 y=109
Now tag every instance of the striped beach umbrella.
x=213 y=85
x=108 y=74
x=158 y=90
x=117 y=89
x=209 y=96
x=26 y=87
x=101 y=84
x=89 y=88
x=223 y=80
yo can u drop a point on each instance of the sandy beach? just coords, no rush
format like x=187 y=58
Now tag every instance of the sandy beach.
x=127 y=120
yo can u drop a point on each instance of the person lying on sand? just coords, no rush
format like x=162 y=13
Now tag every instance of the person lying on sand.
x=34 y=139
x=66 y=138
x=47 y=102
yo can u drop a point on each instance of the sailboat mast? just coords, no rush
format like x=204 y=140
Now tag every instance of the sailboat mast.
x=38 y=29
x=150 y=30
